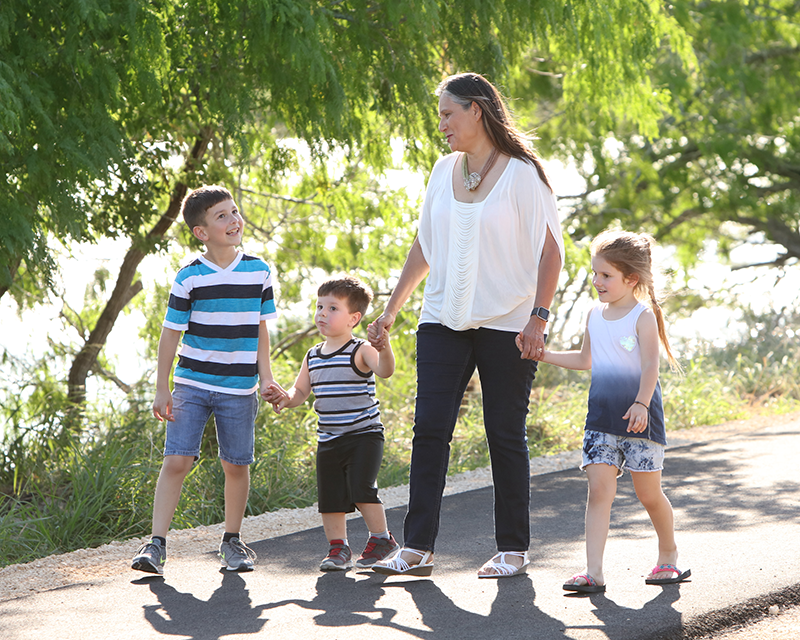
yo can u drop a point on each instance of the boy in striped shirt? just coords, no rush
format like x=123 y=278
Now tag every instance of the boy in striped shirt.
x=220 y=303
x=340 y=372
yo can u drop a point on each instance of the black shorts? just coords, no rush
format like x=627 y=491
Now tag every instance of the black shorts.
x=347 y=471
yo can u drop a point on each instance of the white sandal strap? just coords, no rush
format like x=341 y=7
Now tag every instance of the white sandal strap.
x=503 y=567
x=397 y=562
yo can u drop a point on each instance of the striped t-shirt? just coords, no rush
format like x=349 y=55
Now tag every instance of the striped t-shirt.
x=345 y=399
x=220 y=310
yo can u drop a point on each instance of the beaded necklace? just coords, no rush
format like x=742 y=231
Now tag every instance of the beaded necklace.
x=473 y=180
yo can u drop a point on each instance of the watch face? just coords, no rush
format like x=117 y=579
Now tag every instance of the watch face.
x=542 y=313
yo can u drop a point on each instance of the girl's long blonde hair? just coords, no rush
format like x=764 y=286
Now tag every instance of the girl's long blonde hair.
x=630 y=253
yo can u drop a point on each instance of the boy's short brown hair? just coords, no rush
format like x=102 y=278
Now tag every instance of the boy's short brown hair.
x=357 y=294
x=197 y=202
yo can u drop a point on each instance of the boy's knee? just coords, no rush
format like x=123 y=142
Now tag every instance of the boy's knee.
x=177 y=465
x=235 y=470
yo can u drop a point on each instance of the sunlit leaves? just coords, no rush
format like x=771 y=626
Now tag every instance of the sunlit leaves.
x=726 y=148
x=91 y=88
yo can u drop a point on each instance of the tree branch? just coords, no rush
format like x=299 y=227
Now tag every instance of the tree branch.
x=13 y=267
x=777 y=262
x=273 y=196
x=110 y=376
x=683 y=217
x=292 y=339
x=124 y=289
x=770 y=54
x=687 y=155
x=777 y=231
x=548 y=74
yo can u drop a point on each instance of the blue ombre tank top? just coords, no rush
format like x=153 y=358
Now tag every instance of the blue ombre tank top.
x=616 y=371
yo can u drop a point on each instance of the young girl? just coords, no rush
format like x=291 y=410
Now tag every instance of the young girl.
x=625 y=418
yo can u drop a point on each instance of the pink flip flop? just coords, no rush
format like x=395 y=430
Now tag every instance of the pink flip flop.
x=591 y=585
x=678 y=577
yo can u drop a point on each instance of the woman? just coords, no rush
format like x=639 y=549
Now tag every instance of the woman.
x=490 y=243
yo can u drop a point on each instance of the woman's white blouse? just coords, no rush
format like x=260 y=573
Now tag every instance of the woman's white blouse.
x=484 y=256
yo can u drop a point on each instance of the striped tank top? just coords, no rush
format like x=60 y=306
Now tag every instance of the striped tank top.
x=345 y=399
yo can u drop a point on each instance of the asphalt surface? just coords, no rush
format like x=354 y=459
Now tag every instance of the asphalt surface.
x=737 y=507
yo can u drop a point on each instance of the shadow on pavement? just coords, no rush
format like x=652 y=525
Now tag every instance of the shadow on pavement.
x=229 y=610
x=705 y=483
x=336 y=609
x=513 y=613
x=344 y=602
x=623 y=623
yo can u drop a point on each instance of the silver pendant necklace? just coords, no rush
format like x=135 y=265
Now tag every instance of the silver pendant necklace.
x=473 y=180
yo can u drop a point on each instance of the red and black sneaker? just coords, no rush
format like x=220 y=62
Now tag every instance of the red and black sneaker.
x=339 y=557
x=376 y=549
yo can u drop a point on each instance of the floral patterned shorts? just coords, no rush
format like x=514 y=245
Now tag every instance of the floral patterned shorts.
x=637 y=454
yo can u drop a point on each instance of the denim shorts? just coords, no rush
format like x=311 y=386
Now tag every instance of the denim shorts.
x=636 y=454
x=235 y=418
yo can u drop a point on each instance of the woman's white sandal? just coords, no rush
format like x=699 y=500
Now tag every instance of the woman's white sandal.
x=397 y=566
x=502 y=568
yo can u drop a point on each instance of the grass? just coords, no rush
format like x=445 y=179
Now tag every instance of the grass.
x=66 y=491
x=87 y=500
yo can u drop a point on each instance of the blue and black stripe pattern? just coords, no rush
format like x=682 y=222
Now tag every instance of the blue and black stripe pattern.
x=219 y=311
x=345 y=399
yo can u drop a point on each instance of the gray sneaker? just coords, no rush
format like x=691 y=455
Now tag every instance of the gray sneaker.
x=150 y=558
x=236 y=555
x=376 y=550
x=339 y=557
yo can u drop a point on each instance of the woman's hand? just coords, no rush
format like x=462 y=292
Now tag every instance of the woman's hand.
x=414 y=271
x=530 y=341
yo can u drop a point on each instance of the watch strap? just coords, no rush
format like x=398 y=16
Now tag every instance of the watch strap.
x=543 y=313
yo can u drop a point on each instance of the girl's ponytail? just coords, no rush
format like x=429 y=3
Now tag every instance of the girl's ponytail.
x=662 y=329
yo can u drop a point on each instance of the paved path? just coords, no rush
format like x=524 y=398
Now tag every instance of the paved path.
x=737 y=504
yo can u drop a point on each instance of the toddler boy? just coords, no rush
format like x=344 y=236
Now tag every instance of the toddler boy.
x=340 y=372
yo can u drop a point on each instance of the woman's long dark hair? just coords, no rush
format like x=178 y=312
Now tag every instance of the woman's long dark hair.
x=466 y=88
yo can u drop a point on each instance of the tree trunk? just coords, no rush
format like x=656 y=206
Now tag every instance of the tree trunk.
x=124 y=290
x=13 y=267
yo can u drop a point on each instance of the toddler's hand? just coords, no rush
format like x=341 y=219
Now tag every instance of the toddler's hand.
x=378 y=336
x=274 y=393
x=385 y=338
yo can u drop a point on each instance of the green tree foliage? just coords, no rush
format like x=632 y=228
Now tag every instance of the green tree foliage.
x=99 y=96
x=727 y=149
x=66 y=72
x=179 y=92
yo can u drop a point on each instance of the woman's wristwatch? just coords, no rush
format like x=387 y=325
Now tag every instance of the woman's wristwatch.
x=542 y=313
